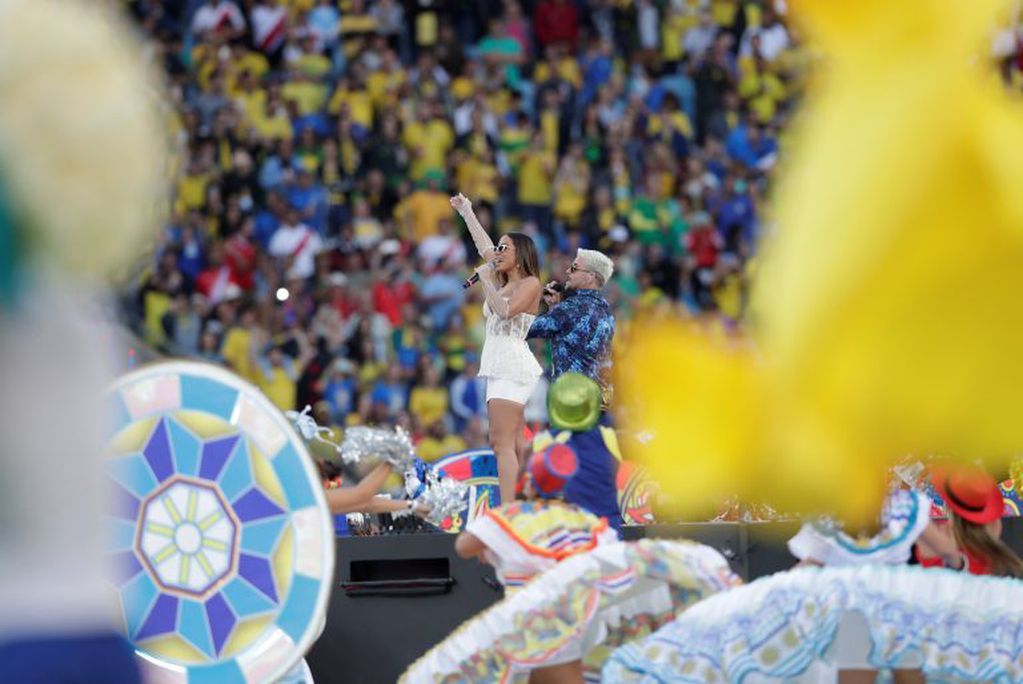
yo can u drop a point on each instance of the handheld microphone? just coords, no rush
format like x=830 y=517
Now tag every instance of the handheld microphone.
x=475 y=278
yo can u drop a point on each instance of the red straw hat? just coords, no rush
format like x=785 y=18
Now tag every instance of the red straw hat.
x=551 y=469
x=969 y=491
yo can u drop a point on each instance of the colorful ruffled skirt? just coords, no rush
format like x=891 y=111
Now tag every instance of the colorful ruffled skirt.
x=953 y=626
x=581 y=608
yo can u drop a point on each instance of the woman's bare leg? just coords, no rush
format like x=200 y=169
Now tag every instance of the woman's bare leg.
x=565 y=673
x=870 y=676
x=521 y=443
x=505 y=419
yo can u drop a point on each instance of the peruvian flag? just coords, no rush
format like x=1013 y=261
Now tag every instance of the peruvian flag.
x=269 y=27
x=217 y=16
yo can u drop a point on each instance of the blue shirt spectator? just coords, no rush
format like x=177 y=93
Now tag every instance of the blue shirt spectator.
x=310 y=199
x=315 y=121
x=272 y=174
x=467 y=394
x=681 y=86
x=597 y=70
x=735 y=215
x=442 y=293
x=340 y=391
x=191 y=259
x=407 y=357
x=266 y=224
x=748 y=145
x=390 y=392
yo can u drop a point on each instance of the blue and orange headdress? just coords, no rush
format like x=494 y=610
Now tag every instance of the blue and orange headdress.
x=550 y=470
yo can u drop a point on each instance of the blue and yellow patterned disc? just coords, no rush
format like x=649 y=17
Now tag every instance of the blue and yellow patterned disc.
x=219 y=529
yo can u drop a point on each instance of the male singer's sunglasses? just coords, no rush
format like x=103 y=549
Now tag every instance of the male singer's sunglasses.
x=503 y=247
x=573 y=268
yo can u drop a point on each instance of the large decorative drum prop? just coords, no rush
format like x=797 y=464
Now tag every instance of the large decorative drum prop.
x=219 y=529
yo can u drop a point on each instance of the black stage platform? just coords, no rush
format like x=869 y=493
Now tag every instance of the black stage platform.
x=396 y=596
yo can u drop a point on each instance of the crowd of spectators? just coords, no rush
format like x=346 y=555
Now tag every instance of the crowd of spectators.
x=312 y=248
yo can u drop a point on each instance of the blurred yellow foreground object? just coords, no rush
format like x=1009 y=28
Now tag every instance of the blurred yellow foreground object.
x=888 y=311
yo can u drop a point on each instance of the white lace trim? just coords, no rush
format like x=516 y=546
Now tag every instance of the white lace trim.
x=505 y=352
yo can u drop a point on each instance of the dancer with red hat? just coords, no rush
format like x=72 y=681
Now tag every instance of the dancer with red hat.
x=853 y=608
x=975 y=506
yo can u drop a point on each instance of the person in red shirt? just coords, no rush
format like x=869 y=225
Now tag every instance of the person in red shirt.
x=975 y=507
x=556 y=21
x=215 y=281
x=392 y=290
x=704 y=242
x=240 y=255
x=340 y=297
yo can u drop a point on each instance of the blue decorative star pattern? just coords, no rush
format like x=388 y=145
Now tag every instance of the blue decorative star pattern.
x=218 y=529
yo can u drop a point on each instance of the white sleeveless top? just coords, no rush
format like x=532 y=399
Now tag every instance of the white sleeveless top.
x=505 y=352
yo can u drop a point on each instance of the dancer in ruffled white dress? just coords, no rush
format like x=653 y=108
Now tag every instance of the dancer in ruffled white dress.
x=850 y=610
x=512 y=290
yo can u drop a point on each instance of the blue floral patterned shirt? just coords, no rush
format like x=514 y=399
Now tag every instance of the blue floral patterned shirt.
x=580 y=329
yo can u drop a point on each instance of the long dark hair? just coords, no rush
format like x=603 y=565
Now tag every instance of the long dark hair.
x=525 y=257
x=978 y=541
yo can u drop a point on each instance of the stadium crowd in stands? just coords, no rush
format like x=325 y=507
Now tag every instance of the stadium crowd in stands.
x=312 y=248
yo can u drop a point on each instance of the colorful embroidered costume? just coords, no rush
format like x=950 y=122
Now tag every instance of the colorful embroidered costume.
x=579 y=609
x=864 y=610
x=574 y=591
x=594 y=487
x=904 y=516
x=525 y=538
x=953 y=626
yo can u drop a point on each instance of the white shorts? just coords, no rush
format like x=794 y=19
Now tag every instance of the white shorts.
x=510 y=390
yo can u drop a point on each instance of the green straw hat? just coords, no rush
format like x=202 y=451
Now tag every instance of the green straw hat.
x=573 y=403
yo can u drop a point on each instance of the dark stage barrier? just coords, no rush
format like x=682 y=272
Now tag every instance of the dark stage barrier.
x=396 y=596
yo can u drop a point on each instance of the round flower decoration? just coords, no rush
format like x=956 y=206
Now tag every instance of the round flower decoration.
x=218 y=527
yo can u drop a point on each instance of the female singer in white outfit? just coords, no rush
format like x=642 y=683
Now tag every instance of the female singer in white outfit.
x=512 y=291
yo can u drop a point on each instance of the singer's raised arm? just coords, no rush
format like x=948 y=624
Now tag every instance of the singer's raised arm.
x=484 y=245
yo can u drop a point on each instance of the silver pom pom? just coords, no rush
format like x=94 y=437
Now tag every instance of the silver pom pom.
x=441 y=497
x=444 y=498
x=393 y=446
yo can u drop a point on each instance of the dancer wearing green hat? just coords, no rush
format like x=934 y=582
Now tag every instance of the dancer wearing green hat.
x=573 y=407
